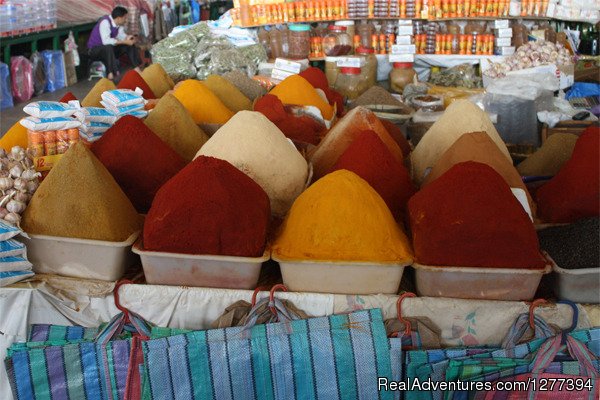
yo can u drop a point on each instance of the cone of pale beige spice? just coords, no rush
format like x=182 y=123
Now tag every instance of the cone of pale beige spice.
x=157 y=78
x=80 y=199
x=171 y=122
x=460 y=117
x=231 y=96
x=549 y=158
x=95 y=95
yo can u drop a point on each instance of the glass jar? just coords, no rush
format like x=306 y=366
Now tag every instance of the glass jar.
x=276 y=43
x=369 y=71
x=299 y=41
x=365 y=30
x=337 y=42
x=331 y=70
x=401 y=75
x=349 y=83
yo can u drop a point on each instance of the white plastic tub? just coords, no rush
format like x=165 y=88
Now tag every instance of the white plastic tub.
x=478 y=283
x=80 y=258
x=340 y=277
x=580 y=285
x=200 y=270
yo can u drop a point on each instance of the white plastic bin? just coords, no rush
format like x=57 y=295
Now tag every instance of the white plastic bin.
x=580 y=285
x=80 y=258
x=478 y=283
x=228 y=272
x=341 y=277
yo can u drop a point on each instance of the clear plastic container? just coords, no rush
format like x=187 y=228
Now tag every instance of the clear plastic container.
x=402 y=75
x=365 y=30
x=276 y=43
x=299 y=41
x=331 y=70
x=369 y=71
x=350 y=83
x=337 y=42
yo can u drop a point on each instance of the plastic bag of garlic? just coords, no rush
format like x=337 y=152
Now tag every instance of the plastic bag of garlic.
x=18 y=181
x=532 y=54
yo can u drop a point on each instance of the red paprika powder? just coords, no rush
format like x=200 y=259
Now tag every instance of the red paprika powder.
x=468 y=217
x=368 y=157
x=397 y=135
x=67 y=97
x=574 y=192
x=210 y=207
x=133 y=79
x=139 y=160
x=318 y=80
x=302 y=129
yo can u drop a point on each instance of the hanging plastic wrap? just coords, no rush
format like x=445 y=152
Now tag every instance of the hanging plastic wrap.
x=39 y=74
x=54 y=66
x=175 y=55
x=6 y=99
x=463 y=75
x=22 y=78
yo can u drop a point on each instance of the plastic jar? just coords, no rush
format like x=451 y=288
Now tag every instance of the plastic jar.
x=401 y=75
x=276 y=43
x=365 y=30
x=337 y=42
x=331 y=70
x=349 y=83
x=298 y=41
x=369 y=71
x=349 y=27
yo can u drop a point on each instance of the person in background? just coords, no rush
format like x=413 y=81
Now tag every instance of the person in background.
x=108 y=41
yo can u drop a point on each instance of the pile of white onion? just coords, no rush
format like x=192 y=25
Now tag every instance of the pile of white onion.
x=532 y=54
x=18 y=181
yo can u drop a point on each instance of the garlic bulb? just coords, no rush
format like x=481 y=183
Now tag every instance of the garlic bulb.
x=22 y=196
x=30 y=174
x=32 y=186
x=15 y=206
x=16 y=171
x=17 y=153
x=13 y=218
x=20 y=184
x=6 y=183
x=3 y=212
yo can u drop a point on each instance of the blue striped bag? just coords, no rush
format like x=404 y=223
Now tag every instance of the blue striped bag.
x=335 y=357
x=75 y=367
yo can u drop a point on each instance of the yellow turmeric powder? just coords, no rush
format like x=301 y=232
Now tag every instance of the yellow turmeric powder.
x=15 y=136
x=228 y=93
x=202 y=104
x=298 y=91
x=157 y=78
x=95 y=95
x=340 y=217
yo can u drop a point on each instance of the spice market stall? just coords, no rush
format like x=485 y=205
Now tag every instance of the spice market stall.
x=219 y=217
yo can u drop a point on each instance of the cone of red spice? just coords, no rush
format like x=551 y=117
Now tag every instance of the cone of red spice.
x=468 y=217
x=132 y=79
x=574 y=192
x=139 y=160
x=210 y=207
x=369 y=158
x=67 y=97
x=397 y=135
x=300 y=129
x=318 y=80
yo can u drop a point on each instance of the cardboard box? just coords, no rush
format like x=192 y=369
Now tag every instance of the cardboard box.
x=405 y=30
x=504 y=50
x=503 y=33
x=404 y=39
x=503 y=42
x=404 y=49
x=501 y=24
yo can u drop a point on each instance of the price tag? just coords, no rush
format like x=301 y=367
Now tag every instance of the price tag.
x=287 y=65
x=404 y=49
x=352 y=62
x=45 y=163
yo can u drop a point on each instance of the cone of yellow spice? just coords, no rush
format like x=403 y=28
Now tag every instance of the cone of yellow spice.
x=202 y=104
x=296 y=90
x=95 y=95
x=157 y=78
x=341 y=218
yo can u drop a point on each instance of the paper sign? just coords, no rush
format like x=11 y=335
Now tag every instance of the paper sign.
x=46 y=163
x=404 y=49
x=353 y=62
x=287 y=65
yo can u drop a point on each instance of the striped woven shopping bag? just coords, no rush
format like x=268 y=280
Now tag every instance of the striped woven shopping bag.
x=76 y=368
x=545 y=375
x=335 y=357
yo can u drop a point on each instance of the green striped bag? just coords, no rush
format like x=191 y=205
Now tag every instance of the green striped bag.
x=335 y=357
x=77 y=368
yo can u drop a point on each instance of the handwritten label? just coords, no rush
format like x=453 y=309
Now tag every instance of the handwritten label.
x=45 y=163
x=404 y=49
x=280 y=74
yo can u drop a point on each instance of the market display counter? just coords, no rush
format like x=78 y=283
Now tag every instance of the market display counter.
x=67 y=301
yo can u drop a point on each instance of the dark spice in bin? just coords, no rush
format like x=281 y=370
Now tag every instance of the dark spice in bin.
x=573 y=246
